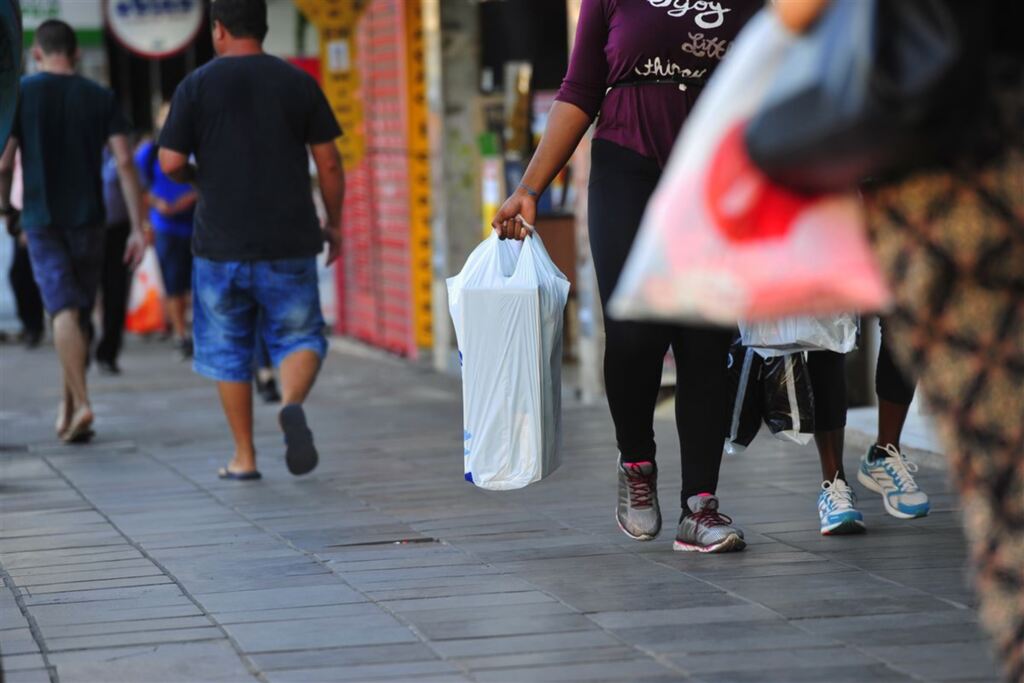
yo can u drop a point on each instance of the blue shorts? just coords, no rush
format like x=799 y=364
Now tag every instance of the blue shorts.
x=233 y=298
x=175 y=256
x=67 y=265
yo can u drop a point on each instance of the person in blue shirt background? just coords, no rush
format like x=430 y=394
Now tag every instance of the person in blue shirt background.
x=171 y=208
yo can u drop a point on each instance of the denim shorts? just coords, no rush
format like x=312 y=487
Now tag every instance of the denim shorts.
x=67 y=265
x=175 y=256
x=236 y=300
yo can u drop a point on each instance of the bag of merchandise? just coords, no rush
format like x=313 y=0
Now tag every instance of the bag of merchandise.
x=719 y=241
x=787 y=397
x=145 y=313
x=802 y=333
x=507 y=306
x=745 y=398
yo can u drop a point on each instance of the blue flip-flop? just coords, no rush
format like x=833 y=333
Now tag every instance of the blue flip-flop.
x=300 y=454
x=225 y=473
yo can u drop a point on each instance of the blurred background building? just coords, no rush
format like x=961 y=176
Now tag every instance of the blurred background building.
x=442 y=103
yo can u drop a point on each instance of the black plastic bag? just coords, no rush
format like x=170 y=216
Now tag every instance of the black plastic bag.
x=787 y=397
x=744 y=373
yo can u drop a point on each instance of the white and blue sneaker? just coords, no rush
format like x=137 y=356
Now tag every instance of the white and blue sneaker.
x=886 y=471
x=836 y=511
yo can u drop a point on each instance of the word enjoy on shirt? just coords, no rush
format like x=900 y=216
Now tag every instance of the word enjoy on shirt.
x=699 y=46
x=655 y=67
x=707 y=13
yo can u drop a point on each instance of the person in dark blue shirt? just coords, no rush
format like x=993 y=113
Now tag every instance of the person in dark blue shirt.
x=62 y=124
x=171 y=209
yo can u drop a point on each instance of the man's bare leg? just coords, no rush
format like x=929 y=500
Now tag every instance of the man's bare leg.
x=236 y=399
x=298 y=372
x=73 y=350
x=176 y=312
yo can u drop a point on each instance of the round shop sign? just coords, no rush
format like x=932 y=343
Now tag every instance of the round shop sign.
x=154 y=28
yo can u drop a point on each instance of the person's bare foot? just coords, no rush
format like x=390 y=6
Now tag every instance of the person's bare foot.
x=79 y=426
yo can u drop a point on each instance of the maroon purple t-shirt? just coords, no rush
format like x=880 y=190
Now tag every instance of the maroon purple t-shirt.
x=623 y=41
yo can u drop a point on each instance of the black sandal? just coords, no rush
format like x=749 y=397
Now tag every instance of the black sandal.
x=225 y=473
x=300 y=454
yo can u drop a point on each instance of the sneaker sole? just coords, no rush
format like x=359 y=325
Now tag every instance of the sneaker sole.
x=729 y=544
x=847 y=527
x=642 y=537
x=300 y=453
x=871 y=485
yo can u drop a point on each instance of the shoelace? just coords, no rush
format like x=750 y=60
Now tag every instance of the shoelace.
x=711 y=518
x=901 y=469
x=639 y=487
x=838 y=496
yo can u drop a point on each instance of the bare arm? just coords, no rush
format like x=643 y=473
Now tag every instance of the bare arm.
x=176 y=167
x=799 y=15
x=331 y=174
x=131 y=189
x=567 y=124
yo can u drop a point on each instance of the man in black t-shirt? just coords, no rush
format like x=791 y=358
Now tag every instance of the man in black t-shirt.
x=62 y=125
x=248 y=119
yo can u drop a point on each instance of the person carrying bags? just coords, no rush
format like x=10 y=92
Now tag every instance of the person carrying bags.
x=640 y=66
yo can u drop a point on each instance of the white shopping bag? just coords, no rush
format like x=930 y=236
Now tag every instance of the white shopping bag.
x=719 y=241
x=507 y=306
x=770 y=338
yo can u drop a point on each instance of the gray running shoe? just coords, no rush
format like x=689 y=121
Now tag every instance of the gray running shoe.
x=637 y=512
x=703 y=529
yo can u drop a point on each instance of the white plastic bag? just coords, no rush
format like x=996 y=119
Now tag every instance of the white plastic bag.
x=719 y=241
x=507 y=306
x=770 y=338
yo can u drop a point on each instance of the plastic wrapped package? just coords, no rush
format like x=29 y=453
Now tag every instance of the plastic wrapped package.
x=507 y=306
x=802 y=333
x=788 y=399
x=745 y=398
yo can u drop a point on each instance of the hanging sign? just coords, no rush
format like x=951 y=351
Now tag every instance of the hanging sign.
x=154 y=28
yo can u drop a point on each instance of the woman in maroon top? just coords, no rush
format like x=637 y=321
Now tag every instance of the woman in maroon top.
x=638 y=66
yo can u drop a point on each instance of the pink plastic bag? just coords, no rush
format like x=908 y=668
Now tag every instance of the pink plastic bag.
x=719 y=242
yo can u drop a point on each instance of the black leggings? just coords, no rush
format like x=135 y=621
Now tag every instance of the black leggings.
x=621 y=182
x=827 y=371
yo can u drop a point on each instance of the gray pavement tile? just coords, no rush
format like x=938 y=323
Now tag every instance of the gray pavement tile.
x=346 y=656
x=627 y=670
x=482 y=647
x=151 y=594
x=28 y=676
x=135 y=626
x=12 y=662
x=270 y=598
x=112 y=611
x=86 y=572
x=937 y=662
x=400 y=671
x=213 y=662
x=328 y=632
x=18 y=641
x=766 y=660
x=152 y=579
x=107 y=640
x=794 y=608
x=547 y=658
x=723 y=637
x=682 y=616
x=878 y=673
x=512 y=626
x=352 y=609
x=460 y=601
x=61 y=558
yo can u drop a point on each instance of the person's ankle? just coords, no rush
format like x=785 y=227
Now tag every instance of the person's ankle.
x=244 y=460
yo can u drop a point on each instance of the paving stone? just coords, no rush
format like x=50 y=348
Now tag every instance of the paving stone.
x=136 y=626
x=345 y=656
x=627 y=670
x=480 y=647
x=310 y=634
x=838 y=674
x=270 y=598
x=12 y=662
x=367 y=672
x=96 y=641
x=213 y=661
x=28 y=676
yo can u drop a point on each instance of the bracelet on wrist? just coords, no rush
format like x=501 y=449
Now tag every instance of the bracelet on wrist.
x=529 y=190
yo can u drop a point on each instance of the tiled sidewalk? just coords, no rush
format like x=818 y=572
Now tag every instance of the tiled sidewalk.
x=127 y=560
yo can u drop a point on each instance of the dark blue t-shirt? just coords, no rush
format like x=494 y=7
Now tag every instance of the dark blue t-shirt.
x=159 y=185
x=62 y=125
x=248 y=121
